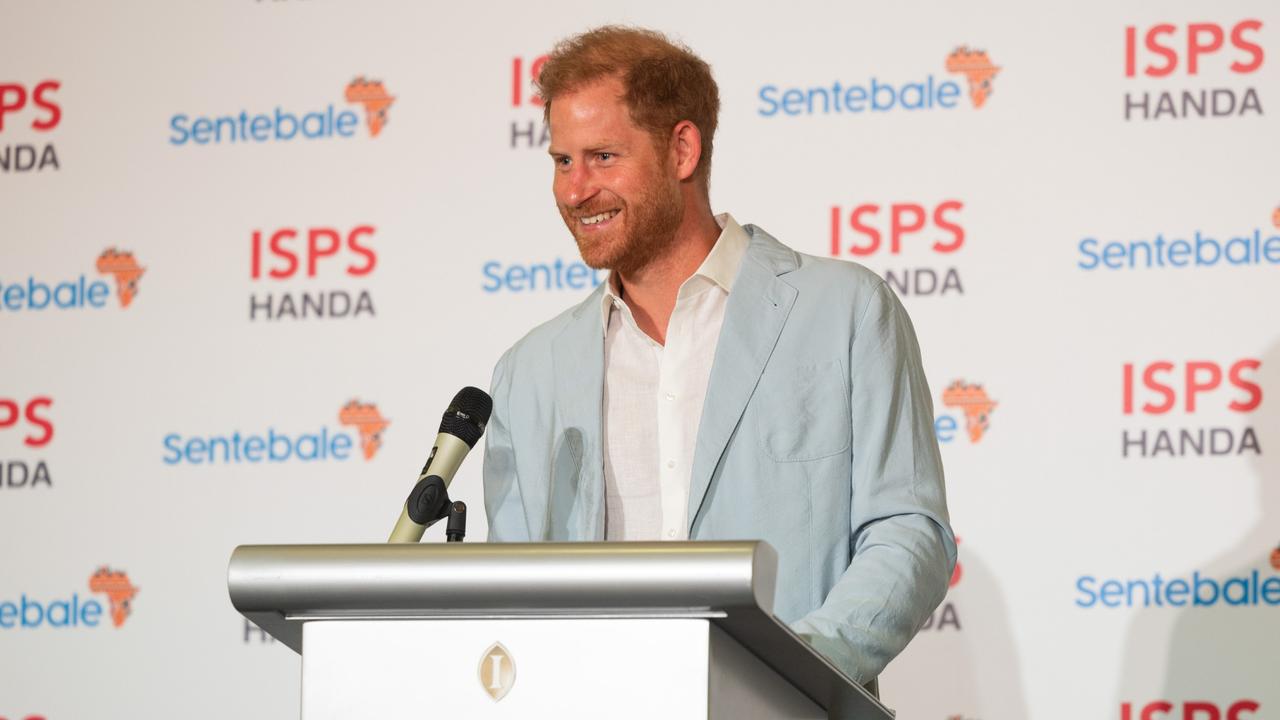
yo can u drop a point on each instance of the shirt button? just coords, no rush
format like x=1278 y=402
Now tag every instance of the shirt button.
x=671 y=533
x=671 y=464
x=671 y=396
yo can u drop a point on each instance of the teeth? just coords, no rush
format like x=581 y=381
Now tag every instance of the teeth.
x=599 y=218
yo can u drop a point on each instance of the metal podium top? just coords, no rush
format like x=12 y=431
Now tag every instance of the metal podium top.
x=279 y=587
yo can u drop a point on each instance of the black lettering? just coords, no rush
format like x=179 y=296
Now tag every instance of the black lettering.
x=1249 y=439
x=1140 y=442
x=312 y=303
x=334 y=297
x=255 y=305
x=1250 y=102
x=1130 y=105
x=364 y=304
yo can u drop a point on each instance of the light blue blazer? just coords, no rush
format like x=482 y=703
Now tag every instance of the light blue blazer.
x=816 y=436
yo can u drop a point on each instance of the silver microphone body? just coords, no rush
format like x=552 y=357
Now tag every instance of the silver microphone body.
x=446 y=457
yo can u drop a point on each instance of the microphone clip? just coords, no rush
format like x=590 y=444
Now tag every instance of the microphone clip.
x=429 y=503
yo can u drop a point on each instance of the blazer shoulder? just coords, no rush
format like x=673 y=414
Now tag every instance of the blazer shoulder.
x=814 y=273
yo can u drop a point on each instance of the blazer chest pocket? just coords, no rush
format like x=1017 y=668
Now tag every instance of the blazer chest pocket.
x=802 y=411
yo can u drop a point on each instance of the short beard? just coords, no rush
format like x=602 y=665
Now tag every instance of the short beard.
x=651 y=222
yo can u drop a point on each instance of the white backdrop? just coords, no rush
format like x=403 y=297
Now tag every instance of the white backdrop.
x=1054 y=613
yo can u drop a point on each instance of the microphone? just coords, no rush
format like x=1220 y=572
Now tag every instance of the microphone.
x=460 y=429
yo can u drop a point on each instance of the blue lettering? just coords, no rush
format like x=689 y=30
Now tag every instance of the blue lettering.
x=792 y=101
x=178 y=122
x=765 y=93
x=945 y=428
x=490 y=271
x=1086 y=249
x=171 y=445
x=195 y=451
x=1110 y=593
x=1085 y=585
x=90 y=613
x=948 y=94
x=201 y=129
x=340 y=446
x=260 y=128
x=1176 y=592
x=516 y=276
x=346 y=124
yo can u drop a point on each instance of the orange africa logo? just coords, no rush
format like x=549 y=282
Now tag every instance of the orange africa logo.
x=119 y=591
x=1275 y=217
x=1275 y=558
x=126 y=271
x=375 y=99
x=977 y=69
x=975 y=404
x=368 y=421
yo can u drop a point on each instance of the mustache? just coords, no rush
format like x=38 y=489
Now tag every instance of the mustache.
x=582 y=211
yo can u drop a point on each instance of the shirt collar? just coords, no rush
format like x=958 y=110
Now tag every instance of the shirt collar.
x=719 y=267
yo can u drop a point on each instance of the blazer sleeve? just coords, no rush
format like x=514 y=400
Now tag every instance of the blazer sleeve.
x=902 y=546
x=504 y=507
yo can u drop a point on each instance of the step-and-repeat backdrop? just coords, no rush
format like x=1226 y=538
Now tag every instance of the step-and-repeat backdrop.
x=251 y=248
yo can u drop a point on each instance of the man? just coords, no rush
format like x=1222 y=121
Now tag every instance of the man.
x=720 y=385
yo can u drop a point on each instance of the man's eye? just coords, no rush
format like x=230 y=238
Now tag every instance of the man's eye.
x=605 y=156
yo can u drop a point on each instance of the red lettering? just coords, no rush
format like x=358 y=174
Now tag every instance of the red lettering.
x=855 y=221
x=1168 y=53
x=54 y=111
x=1149 y=712
x=1130 y=55
x=353 y=242
x=897 y=228
x=1240 y=706
x=278 y=249
x=835 y=230
x=315 y=252
x=11 y=408
x=517 y=84
x=1253 y=389
x=957 y=232
x=18 y=92
x=1195 y=48
x=1194 y=386
x=1193 y=710
x=518 y=80
x=1128 y=388
x=255 y=264
x=1254 y=49
x=1151 y=382
x=32 y=418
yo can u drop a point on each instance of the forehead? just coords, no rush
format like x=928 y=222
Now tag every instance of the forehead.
x=591 y=113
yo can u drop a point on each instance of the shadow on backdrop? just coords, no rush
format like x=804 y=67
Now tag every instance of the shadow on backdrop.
x=1224 y=655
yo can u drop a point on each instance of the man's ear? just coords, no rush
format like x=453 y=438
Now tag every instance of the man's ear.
x=686 y=148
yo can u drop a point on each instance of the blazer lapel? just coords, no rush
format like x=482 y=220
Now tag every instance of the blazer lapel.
x=754 y=317
x=575 y=510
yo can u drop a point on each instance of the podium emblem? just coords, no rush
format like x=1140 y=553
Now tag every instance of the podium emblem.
x=497 y=671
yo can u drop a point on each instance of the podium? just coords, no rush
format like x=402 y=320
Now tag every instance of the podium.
x=554 y=630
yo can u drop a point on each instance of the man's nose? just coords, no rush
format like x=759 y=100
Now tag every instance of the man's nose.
x=579 y=185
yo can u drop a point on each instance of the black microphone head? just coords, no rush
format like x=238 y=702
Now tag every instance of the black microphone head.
x=467 y=415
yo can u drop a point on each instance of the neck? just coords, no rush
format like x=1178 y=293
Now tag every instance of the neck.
x=651 y=291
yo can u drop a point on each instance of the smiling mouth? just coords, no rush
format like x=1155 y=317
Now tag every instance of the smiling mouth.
x=599 y=217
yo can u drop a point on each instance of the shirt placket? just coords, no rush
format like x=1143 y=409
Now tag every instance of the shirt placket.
x=671 y=430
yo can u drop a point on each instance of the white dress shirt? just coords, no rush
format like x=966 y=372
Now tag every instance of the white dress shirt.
x=653 y=396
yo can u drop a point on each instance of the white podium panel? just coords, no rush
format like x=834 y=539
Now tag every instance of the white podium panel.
x=421 y=669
